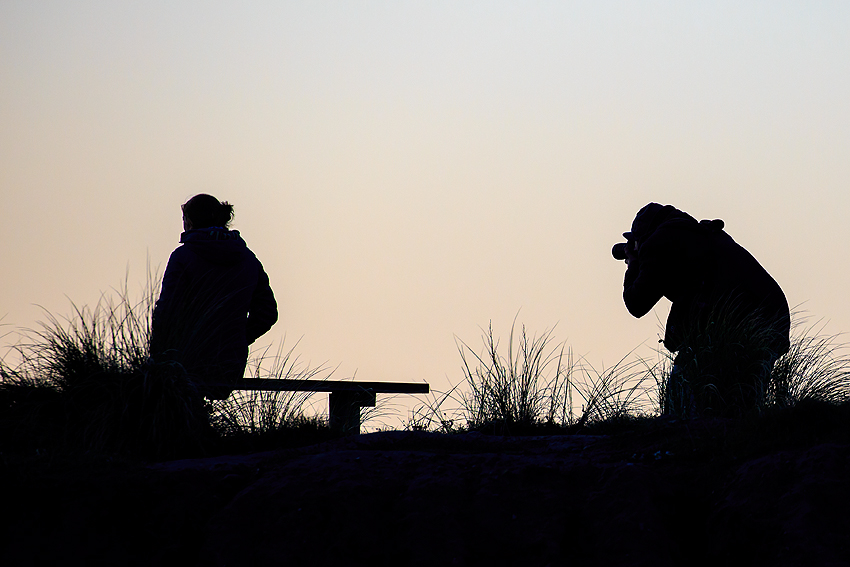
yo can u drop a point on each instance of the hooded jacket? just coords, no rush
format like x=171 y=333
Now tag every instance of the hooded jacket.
x=214 y=302
x=698 y=267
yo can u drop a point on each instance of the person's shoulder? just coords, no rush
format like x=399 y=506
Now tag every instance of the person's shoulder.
x=180 y=258
x=181 y=252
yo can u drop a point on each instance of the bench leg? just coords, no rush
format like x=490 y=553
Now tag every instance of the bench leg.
x=344 y=410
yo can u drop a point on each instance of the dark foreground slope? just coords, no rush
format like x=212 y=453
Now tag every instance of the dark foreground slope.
x=662 y=493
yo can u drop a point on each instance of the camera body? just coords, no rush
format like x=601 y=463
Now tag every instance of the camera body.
x=619 y=251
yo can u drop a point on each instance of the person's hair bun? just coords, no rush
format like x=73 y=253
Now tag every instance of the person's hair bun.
x=204 y=211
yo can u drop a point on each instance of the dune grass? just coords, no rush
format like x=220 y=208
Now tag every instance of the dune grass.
x=530 y=383
x=250 y=420
x=731 y=367
x=536 y=385
x=90 y=383
x=815 y=369
x=724 y=367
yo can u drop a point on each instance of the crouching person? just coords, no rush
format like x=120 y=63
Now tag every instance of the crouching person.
x=214 y=302
x=729 y=320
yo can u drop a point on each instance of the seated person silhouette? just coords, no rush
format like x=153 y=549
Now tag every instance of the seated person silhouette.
x=729 y=320
x=214 y=302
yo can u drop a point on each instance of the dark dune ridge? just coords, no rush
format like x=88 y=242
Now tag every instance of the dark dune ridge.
x=663 y=492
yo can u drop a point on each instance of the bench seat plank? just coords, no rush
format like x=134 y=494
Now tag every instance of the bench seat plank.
x=290 y=385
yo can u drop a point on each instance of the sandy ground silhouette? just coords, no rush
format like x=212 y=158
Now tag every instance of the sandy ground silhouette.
x=667 y=493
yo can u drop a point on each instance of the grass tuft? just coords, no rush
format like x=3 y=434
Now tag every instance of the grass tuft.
x=528 y=385
x=432 y=416
x=816 y=368
x=263 y=413
x=730 y=373
x=724 y=366
x=89 y=383
x=621 y=393
x=538 y=384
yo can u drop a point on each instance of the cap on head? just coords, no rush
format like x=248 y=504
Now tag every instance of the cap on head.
x=643 y=222
x=650 y=217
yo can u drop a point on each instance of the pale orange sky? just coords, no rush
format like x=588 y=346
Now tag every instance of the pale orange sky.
x=408 y=172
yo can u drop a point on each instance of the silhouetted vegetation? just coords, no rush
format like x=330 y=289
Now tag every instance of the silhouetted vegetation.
x=536 y=387
x=90 y=383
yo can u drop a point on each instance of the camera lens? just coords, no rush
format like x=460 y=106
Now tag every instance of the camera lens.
x=619 y=251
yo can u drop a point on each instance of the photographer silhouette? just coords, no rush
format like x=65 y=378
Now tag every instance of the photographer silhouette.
x=729 y=320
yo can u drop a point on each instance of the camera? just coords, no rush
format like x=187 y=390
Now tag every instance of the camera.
x=619 y=251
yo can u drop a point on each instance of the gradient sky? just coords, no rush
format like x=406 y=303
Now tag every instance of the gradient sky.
x=409 y=171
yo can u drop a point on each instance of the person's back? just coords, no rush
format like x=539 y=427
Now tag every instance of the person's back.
x=215 y=299
x=736 y=275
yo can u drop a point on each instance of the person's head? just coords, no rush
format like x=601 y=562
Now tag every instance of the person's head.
x=646 y=220
x=204 y=211
x=650 y=217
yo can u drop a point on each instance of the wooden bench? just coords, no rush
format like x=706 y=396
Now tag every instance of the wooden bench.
x=345 y=400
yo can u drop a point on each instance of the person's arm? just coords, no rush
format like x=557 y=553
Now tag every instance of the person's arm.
x=174 y=272
x=262 y=313
x=642 y=287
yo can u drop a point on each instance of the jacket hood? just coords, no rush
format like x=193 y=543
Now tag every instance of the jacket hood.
x=215 y=245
